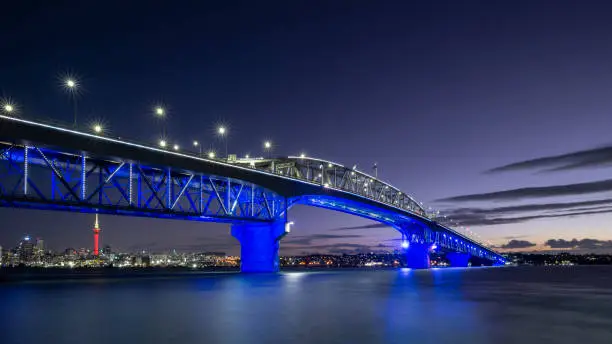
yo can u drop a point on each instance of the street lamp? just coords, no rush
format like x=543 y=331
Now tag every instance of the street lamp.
x=97 y=128
x=222 y=131
x=160 y=113
x=197 y=145
x=211 y=155
x=8 y=107
x=72 y=85
x=268 y=147
x=176 y=147
x=162 y=143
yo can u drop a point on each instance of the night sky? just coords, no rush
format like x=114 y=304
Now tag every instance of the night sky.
x=497 y=112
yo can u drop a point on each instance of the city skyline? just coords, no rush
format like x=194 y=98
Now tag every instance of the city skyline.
x=463 y=109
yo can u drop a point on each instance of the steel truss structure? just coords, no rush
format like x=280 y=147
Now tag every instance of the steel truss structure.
x=439 y=238
x=333 y=175
x=39 y=177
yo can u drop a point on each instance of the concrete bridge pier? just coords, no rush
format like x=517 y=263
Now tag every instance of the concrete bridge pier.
x=417 y=256
x=259 y=243
x=458 y=259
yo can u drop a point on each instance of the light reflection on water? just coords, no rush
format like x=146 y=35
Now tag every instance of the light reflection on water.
x=494 y=305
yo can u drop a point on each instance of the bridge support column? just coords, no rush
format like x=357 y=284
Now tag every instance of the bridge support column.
x=458 y=259
x=259 y=243
x=417 y=256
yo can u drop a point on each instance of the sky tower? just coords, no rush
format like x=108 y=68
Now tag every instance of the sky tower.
x=96 y=231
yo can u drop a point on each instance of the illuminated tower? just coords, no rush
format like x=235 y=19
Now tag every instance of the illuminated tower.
x=96 y=231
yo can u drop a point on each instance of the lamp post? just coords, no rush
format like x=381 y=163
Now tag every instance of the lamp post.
x=160 y=113
x=222 y=131
x=268 y=148
x=71 y=85
x=198 y=146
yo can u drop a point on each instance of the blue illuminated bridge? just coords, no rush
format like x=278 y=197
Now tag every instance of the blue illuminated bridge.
x=49 y=167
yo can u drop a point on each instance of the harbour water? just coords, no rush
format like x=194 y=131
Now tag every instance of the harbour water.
x=478 y=305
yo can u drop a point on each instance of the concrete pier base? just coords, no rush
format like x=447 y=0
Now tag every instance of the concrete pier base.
x=417 y=256
x=259 y=243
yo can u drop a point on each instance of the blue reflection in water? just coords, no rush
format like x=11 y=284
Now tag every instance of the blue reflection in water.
x=495 y=305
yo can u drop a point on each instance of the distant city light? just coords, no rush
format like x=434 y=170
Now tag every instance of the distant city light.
x=267 y=144
x=302 y=155
x=221 y=130
x=159 y=111
x=195 y=143
x=176 y=147
x=405 y=244
x=162 y=143
x=211 y=155
x=8 y=108
x=97 y=128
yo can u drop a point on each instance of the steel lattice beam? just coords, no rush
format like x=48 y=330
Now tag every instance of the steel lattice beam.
x=38 y=177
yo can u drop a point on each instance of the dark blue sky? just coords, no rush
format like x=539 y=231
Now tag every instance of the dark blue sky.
x=435 y=92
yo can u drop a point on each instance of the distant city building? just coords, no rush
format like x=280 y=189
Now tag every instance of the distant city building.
x=40 y=244
x=106 y=250
x=25 y=250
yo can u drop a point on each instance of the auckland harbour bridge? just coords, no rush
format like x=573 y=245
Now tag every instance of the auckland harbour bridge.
x=54 y=168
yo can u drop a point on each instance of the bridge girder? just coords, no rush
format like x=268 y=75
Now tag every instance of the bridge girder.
x=39 y=177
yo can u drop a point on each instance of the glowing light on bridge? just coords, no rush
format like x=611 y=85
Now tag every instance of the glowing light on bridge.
x=8 y=107
x=211 y=154
x=159 y=111
x=162 y=143
x=97 y=128
x=176 y=147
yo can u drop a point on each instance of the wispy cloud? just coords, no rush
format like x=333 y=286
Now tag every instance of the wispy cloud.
x=484 y=220
x=536 y=192
x=517 y=244
x=308 y=239
x=596 y=157
x=353 y=228
x=583 y=244
x=341 y=248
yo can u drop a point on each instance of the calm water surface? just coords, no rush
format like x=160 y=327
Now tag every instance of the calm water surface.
x=480 y=305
